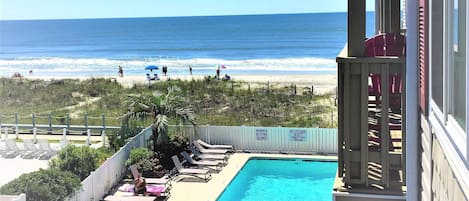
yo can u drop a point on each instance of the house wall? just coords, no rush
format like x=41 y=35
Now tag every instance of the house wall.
x=446 y=185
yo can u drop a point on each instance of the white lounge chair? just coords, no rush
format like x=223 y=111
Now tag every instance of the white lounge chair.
x=30 y=148
x=214 y=146
x=198 y=173
x=209 y=151
x=199 y=155
x=11 y=148
x=45 y=147
x=166 y=181
x=212 y=165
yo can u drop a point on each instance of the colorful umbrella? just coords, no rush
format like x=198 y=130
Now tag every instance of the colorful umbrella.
x=151 y=67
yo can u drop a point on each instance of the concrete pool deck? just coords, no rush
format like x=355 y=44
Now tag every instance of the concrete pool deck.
x=187 y=188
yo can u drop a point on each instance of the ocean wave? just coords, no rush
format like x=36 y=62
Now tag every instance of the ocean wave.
x=104 y=66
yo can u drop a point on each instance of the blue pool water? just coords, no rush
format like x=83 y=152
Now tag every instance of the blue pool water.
x=282 y=180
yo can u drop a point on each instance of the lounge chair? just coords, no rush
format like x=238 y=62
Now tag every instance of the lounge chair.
x=45 y=147
x=11 y=148
x=129 y=198
x=30 y=148
x=199 y=155
x=163 y=181
x=212 y=165
x=198 y=173
x=214 y=146
x=209 y=151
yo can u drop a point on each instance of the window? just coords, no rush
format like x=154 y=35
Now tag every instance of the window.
x=457 y=62
x=436 y=58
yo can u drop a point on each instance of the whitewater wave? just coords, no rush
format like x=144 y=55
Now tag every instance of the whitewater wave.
x=105 y=66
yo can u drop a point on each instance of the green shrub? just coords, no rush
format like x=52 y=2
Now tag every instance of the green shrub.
x=143 y=158
x=77 y=160
x=43 y=185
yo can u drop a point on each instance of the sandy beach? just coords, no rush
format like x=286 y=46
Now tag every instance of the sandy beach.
x=323 y=83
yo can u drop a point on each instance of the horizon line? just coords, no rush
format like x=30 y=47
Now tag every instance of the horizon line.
x=181 y=16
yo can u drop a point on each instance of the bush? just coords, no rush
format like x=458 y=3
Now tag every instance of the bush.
x=143 y=158
x=78 y=160
x=43 y=185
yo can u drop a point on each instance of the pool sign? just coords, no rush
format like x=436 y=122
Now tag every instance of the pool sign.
x=261 y=134
x=298 y=135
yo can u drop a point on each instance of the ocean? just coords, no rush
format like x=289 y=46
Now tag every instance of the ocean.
x=245 y=44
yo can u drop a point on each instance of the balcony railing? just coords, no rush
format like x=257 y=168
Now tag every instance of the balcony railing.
x=371 y=133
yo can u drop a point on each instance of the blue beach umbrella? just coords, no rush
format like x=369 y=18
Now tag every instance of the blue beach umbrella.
x=151 y=67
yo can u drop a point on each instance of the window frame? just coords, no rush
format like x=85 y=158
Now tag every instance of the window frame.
x=442 y=118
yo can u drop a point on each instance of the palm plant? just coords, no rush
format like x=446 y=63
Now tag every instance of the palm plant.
x=159 y=108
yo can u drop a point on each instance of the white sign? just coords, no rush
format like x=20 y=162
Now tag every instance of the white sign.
x=261 y=134
x=298 y=135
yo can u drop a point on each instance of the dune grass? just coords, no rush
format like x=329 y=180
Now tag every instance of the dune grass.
x=214 y=102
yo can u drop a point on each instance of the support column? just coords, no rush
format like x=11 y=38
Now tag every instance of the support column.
x=356 y=28
x=412 y=118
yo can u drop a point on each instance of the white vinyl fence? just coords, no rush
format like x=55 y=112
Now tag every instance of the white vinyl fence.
x=266 y=139
x=20 y=197
x=99 y=182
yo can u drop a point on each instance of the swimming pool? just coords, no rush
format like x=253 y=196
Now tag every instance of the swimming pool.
x=282 y=180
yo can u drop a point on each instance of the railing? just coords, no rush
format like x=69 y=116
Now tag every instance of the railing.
x=266 y=139
x=49 y=124
x=100 y=181
x=362 y=119
x=20 y=197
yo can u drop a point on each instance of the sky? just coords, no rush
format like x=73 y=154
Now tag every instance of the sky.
x=77 y=9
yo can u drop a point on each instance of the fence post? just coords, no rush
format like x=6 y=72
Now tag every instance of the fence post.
x=103 y=118
x=103 y=134
x=64 y=133
x=88 y=139
x=6 y=132
x=16 y=125
x=33 y=119
x=295 y=88
x=268 y=86
x=67 y=119
x=249 y=87
x=49 y=116
x=312 y=89
x=86 y=121
x=34 y=134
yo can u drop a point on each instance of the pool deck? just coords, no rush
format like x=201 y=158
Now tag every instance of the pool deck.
x=187 y=188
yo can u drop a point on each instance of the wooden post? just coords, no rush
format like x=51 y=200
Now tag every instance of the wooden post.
x=249 y=87
x=268 y=86
x=356 y=28
x=103 y=134
x=49 y=118
x=16 y=125
x=103 y=119
x=67 y=121
x=86 y=120
x=294 y=89
x=312 y=89
x=6 y=132
x=33 y=119
x=34 y=134
x=88 y=138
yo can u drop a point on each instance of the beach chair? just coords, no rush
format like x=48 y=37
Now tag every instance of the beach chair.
x=212 y=165
x=166 y=181
x=199 y=155
x=198 y=173
x=11 y=148
x=30 y=148
x=45 y=147
x=209 y=151
x=214 y=146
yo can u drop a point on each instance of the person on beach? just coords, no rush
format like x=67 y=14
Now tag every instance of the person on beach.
x=31 y=72
x=120 y=72
x=218 y=72
x=165 y=70
x=190 y=69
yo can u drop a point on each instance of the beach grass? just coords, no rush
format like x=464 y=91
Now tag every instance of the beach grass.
x=214 y=102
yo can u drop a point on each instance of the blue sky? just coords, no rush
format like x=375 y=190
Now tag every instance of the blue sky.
x=72 y=9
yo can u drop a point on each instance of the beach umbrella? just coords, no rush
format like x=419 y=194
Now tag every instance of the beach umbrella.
x=151 y=67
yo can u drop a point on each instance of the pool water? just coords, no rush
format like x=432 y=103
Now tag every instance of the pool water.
x=282 y=180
